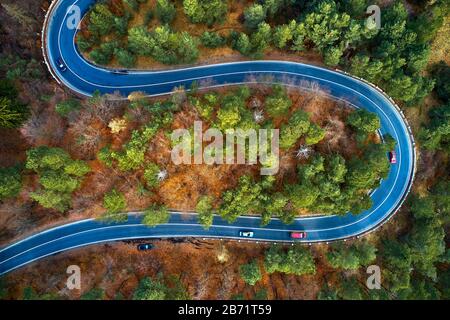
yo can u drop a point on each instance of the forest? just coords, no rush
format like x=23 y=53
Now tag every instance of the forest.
x=65 y=158
x=393 y=57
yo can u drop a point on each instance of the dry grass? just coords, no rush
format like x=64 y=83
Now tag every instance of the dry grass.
x=440 y=47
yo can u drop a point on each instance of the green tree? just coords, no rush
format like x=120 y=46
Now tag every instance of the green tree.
x=417 y=57
x=275 y=206
x=52 y=199
x=440 y=193
x=3 y=289
x=65 y=107
x=149 y=289
x=205 y=212
x=29 y=293
x=367 y=253
x=283 y=34
x=326 y=27
x=297 y=260
x=278 y=102
x=245 y=198
x=314 y=135
x=427 y=245
x=326 y=293
x=273 y=7
x=101 y=20
x=364 y=122
x=132 y=155
x=151 y=175
x=343 y=257
x=77 y=168
x=351 y=257
x=436 y=135
x=250 y=272
x=140 y=41
x=10 y=182
x=206 y=11
x=204 y=105
x=59 y=181
x=125 y=58
x=441 y=72
x=355 y=7
x=59 y=174
x=212 y=40
x=230 y=113
x=114 y=202
x=93 y=294
x=302 y=196
x=165 y=11
x=104 y=53
x=397 y=264
x=156 y=214
x=332 y=55
x=350 y=289
x=173 y=48
x=159 y=289
x=296 y=127
x=12 y=114
x=254 y=15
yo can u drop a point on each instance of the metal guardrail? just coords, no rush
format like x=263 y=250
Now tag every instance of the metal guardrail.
x=44 y=40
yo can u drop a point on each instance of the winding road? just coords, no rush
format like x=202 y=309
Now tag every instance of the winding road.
x=85 y=78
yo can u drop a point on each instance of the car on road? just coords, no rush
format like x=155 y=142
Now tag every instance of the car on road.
x=392 y=157
x=145 y=246
x=246 y=233
x=298 y=235
x=120 y=71
x=61 y=65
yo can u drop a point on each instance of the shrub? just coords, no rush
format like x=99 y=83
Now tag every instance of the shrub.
x=114 y=202
x=151 y=175
x=59 y=174
x=10 y=182
x=250 y=272
x=64 y=108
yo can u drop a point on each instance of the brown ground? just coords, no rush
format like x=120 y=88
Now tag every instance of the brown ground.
x=208 y=269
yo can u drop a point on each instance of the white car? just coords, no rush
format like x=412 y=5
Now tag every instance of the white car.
x=61 y=65
x=246 y=234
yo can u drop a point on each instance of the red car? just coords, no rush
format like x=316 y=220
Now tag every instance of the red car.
x=298 y=235
x=392 y=157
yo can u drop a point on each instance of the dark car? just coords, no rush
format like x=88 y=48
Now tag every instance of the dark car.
x=392 y=157
x=120 y=71
x=61 y=65
x=144 y=246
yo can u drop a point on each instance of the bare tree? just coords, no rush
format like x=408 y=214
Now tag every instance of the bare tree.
x=43 y=128
x=105 y=108
x=16 y=12
x=88 y=136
